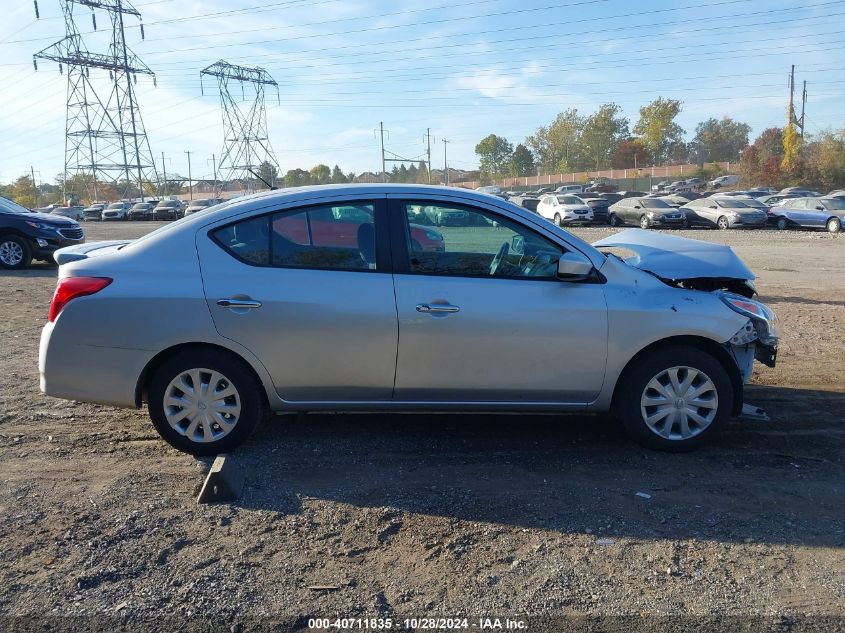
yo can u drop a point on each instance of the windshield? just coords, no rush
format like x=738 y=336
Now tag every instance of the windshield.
x=753 y=203
x=8 y=206
x=116 y=205
x=200 y=203
x=653 y=203
x=168 y=203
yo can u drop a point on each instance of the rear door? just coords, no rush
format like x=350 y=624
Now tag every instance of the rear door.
x=309 y=292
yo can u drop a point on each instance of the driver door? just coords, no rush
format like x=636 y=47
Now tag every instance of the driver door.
x=483 y=317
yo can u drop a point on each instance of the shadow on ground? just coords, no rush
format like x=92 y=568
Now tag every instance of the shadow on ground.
x=768 y=482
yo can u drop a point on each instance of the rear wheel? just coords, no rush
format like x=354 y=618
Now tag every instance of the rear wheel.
x=722 y=223
x=15 y=253
x=206 y=402
x=783 y=224
x=834 y=225
x=674 y=399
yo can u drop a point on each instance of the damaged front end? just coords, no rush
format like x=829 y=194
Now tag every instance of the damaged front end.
x=758 y=339
x=714 y=268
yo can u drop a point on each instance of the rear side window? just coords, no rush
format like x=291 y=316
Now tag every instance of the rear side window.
x=326 y=237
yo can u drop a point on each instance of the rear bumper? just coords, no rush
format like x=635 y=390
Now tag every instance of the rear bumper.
x=104 y=375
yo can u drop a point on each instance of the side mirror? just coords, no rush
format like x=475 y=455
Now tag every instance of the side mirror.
x=636 y=206
x=573 y=267
x=820 y=208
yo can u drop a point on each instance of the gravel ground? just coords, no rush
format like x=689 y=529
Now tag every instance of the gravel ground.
x=438 y=515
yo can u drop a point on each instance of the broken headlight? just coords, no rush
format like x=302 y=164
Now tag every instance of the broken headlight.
x=765 y=321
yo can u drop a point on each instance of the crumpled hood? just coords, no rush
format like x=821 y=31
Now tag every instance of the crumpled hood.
x=676 y=258
x=84 y=251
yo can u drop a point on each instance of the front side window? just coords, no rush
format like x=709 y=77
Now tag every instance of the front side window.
x=477 y=244
x=324 y=237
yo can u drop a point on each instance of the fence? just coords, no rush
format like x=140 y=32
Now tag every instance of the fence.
x=650 y=173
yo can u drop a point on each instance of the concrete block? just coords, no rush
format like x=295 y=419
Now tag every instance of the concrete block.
x=224 y=482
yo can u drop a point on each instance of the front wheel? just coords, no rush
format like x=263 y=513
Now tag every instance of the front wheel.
x=557 y=219
x=674 y=399
x=614 y=220
x=206 y=402
x=644 y=223
x=14 y=252
x=834 y=225
x=722 y=223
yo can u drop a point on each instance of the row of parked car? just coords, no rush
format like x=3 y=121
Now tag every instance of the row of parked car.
x=168 y=209
x=790 y=208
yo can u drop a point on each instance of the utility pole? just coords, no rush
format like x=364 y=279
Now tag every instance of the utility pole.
x=164 y=169
x=383 y=168
x=104 y=132
x=428 y=143
x=214 y=171
x=445 y=165
x=190 y=180
x=803 y=105
x=246 y=139
x=34 y=186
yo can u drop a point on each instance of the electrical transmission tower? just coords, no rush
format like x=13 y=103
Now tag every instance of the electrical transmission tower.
x=246 y=143
x=105 y=141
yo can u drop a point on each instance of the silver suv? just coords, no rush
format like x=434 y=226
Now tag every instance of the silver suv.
x=282 y=301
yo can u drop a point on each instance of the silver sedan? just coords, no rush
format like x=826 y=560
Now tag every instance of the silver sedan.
x=341 y=298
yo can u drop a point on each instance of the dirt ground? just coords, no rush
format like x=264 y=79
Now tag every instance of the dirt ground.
x=413 y=516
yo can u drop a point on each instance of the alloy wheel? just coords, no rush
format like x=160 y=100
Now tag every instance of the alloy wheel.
x=202 y=404
x=722 y=223
x=679 y=403
x=11 y=253
x=834 y=225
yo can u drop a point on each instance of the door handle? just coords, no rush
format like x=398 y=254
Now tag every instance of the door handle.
x=238 y=303
x=437 y=307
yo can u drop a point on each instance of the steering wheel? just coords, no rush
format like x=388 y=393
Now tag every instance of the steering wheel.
x=499 y=258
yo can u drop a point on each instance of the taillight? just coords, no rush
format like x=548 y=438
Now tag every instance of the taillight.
x=73 y=287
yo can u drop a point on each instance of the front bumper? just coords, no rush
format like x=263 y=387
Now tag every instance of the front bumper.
x=46 y=243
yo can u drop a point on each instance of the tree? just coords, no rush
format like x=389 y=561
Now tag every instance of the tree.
x=557 y=147
x=268 y=172
x=23 y=192
x=824 y=161
x=791 y=147
x=321 y=174
x=722 y=140
x=602 y=133
x=657 y=129
x=630 y=153
x=403 y=173
x=297 y=178
x=494 y=153
x=422 y=173
x=761 y=161
x=337 y=176
x=522 y=161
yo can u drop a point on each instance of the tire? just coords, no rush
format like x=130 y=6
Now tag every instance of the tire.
x=722 y=223
x=685 y=224
x=834 y=225
x=666 y=433
x=247 y=405
x=614 y=220
x=644 y=223
x=783 y=224
x=15 y=252
x=557 y=219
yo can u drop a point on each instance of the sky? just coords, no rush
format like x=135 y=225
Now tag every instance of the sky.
x=464 y=69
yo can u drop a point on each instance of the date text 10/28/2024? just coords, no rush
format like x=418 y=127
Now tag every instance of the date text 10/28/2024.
x=432 y=624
